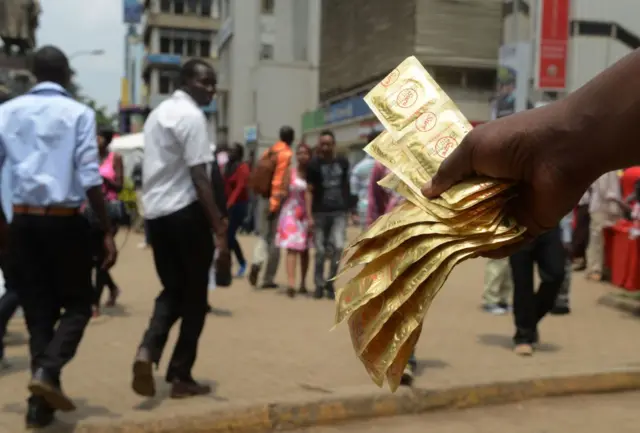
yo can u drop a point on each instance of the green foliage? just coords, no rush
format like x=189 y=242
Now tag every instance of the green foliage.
x=103 y=117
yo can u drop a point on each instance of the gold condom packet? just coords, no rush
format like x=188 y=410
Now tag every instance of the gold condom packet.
x=405 y=214
x=422 y=119
x=381 y=245
x=401 y=288
x=396 y=369
x=386 y=344
x=378 y=275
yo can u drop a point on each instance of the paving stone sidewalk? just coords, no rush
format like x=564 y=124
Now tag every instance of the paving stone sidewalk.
x=261 y=346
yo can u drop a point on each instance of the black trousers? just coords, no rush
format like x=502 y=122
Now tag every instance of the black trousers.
x=183 y=251
x=50 y=270
x=530 y=307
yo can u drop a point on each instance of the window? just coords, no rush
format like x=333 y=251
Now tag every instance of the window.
x=178 y=46
x=205 y=48
x=164 y=84
x=206 y=8
x=448 y=76
x=191 y=48
x=178 y=7
x=165 y=6
x=165 y=45
x=192 y=6
x=481 y=79
x=268 y=7
x=266 y=52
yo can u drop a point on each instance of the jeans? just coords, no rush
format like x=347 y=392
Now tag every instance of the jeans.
x=329 y=237
x=530 y=307
x=237 y=215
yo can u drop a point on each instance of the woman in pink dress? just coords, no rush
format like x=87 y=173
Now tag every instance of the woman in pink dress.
x=293 y=226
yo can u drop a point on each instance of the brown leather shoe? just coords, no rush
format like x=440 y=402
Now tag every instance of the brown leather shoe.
x=182 y=389
x=143 y=382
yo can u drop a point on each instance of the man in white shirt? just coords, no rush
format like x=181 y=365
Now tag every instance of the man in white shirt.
x=181 y=213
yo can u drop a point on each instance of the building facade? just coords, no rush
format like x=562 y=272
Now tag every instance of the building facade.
x=175 y=31
x=362 y=40
x=269 y=54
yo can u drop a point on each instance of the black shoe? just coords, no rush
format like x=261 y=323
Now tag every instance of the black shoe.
x=560 y=311
x=39 y=414
x=319 y=293
x=143 y=383
x=407 y=376
x=303 y=290
x=44 y=385
x=291 y=292
x=331 y=293
x=270 y=286
x=253 y=275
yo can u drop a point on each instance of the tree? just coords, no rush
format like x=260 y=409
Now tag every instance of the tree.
x=103 y=118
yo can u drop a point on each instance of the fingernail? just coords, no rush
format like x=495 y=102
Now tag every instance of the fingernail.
x=426 y=189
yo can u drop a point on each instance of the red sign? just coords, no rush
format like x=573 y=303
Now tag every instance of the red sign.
x=553 y=38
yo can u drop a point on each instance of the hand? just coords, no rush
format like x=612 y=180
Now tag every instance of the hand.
x=535 y=148
x=110 y=251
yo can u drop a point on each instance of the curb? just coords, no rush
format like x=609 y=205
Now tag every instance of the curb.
x=301 y=414
x=620 y=303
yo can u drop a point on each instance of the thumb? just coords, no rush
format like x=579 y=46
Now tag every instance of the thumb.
x=455 y=168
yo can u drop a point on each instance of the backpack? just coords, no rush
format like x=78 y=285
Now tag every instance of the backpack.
x=262 y=174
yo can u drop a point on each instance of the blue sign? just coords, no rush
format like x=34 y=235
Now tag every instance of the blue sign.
x=211 y=108
x=346 y=109
x=133 y=10
x=250 y=134
x=166 y=59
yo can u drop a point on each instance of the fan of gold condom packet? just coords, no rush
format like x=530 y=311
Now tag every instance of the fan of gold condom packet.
x=406 y=255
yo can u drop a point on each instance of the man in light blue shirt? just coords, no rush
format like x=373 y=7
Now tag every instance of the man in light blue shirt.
x=359 y=182
x=48 y=145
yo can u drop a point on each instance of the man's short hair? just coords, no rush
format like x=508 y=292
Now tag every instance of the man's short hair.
x=188 y=70
x=329 y=133
x=49 y=63
x=287 y=134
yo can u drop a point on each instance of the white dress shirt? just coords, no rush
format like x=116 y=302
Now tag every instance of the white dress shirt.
x=176 y=138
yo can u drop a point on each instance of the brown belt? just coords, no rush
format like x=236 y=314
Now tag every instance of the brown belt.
x=45 y=210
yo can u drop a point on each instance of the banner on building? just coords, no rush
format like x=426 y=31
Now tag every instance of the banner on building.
x=514 y=76
x=552 y=40
x=133 y=10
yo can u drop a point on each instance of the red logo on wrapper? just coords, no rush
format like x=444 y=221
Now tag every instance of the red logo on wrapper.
x=445 y=146
x=391 y=78
x=406 y=98
x=426 y=122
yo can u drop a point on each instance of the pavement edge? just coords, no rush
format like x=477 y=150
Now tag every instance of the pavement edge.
x=334 y=410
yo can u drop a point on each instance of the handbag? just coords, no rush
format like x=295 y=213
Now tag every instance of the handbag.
x=223 y=270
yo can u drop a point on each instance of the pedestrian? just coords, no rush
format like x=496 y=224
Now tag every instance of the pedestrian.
x=181 y=211
x=498 y=286
x=580 y=237
x=293 y=226
x=268 y=182
x=48 y=139
x=327 y=200
x=605 y=207
x=359 y=182
x=112 y=172
x=379 y=202
x=562 y=305
x=530 y=307
x=236 y=179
